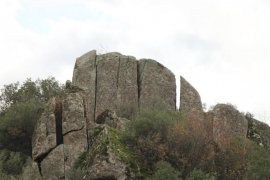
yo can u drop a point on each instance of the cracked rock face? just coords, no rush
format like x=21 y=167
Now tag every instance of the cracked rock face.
x=117 y=87
x=44 y=137
x=53 y=166
x=84 y=76
x=74 y=128
x=110 y=83
x=157 y=86
x=60 y=135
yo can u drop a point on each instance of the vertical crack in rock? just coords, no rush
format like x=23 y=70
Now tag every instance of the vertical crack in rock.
x=138 y=84
x=86 y=121
x=40 y=158
x=139 y=79
x=58 y=121
x=118 y=74
x=157 y=86
x=95 y=103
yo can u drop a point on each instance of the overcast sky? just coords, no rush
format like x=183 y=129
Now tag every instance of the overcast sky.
x=222 y=47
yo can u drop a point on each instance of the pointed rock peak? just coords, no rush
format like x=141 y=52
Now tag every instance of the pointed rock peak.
x=190 y=100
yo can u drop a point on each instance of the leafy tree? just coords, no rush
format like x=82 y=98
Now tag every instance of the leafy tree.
x=17 y=126
x=20 y=107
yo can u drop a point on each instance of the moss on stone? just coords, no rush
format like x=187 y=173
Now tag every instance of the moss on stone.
x=123 y=152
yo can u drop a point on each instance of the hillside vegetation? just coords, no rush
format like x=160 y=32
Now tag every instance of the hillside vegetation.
x=155 y=144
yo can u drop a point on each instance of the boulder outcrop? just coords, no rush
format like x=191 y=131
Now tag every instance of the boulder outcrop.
x=102 y=86
x=85 y=119
x=228 y=124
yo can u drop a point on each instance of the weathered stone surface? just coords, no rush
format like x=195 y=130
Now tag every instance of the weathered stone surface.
x=157 y=86
x=52 y=167
x=30 y=171
x=116 y=84
x=111 y=119
x=74 y=117
x=74 y=144
x=44 y=136
x=228 y=124
x=190 y=100
x=105 y=164
x=127 y=87
x=84 y=76
x=258 y=132
x=74 y=128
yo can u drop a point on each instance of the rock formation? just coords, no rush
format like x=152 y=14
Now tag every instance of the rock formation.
x=102 y=86
x=112 y=84
x=228 y=124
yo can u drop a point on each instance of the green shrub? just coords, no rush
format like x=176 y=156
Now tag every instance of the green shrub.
x=258 y=163
x=12 y=162
x=150 y=122
x=80 y=163
x=157 y=135
x=164 y=171
x=198 y=174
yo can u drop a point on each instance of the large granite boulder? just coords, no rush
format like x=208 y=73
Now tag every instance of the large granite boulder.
x=228 y=125
x=190 y=100
x=157 y=86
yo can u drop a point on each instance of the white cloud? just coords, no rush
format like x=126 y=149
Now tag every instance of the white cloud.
x=220 y=46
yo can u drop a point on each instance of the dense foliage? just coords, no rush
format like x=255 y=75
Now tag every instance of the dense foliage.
x=20 y=107
x=168 y=145
x=185 y=145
